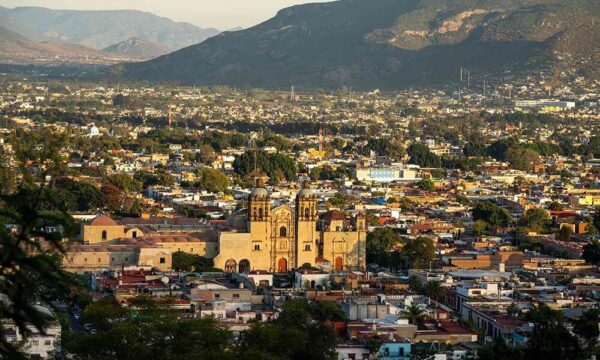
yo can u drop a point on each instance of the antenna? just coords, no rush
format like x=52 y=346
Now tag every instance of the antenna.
x=468 y=78
x=320 y=139
x=484 y=85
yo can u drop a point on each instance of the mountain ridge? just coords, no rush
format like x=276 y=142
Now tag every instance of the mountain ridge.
x=100 y=28
x=17 y=49
x=385 y=43
x=138 y=48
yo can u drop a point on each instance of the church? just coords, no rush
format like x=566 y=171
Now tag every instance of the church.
x=281 y=238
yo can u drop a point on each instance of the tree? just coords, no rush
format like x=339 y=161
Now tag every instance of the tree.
x=293 y=336
x=498 y=149
x=415 y=314
x=418 y=253
x=112 y=197
x=535 y=220
x=434 y=290
x=118 y=100
x=586 y=326
x=30 y=272
x=596 y=218
x=207 y=154
x=277 y=166
x=212 y=180
x=426 y=185
x=479 y=227
x=148 y=329
x=472 y=149
x=422 y=156
x=183 y=261
x=564 y=234
x=499 y=350
x=549 y=338
x=385 y=147
x=522 y=158
x=591 y=252
x=555 y=205
x=491 y=213
x=379 y=243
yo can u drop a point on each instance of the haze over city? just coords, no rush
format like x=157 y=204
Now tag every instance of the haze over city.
x=220 y=14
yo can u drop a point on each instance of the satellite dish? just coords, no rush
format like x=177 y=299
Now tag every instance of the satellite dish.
x=165 y=280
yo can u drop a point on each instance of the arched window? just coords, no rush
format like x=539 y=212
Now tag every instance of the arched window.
x=283 y=231
x=244 y=266
x=260 y=213
x=307 y=247
x=306 y=213
x=230 y=266
x=104 y=236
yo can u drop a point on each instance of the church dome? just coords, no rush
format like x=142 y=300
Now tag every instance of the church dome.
x=259 y=192
x=306 y=192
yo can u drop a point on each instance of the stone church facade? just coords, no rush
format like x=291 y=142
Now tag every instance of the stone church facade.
x=281 y=238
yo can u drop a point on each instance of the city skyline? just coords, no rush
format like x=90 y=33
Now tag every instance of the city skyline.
x=223 y=15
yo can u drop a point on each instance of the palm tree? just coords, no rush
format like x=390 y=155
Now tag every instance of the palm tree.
x=415 y=314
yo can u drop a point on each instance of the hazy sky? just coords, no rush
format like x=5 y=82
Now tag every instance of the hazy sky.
x=221 y=14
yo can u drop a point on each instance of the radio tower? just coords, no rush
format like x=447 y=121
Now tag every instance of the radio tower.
x=320 y=139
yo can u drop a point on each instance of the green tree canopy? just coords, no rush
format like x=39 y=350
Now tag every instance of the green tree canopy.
x=212 y=180
x=491 y=213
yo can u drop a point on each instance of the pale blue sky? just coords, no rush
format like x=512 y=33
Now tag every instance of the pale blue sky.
x=221 y=14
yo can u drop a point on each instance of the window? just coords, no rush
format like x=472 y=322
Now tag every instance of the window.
x=134 y=234
x=236 y=296
x=306 y=213
x=104 y=236
x=35 y=342
x=85 y=259
x=260 y=213
x=48 y=342
x=112 y=259
x=283 y=231
x=162 y=260
x=257 y=247
x=217 y=296
x=307 y=247
x=126 y=259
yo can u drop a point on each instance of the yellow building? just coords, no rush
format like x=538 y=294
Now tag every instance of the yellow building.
x=282 y=238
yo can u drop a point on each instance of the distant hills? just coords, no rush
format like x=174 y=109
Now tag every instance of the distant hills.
x=137 y=48
x=389 y=44
x=100 y=29
x=18 y=50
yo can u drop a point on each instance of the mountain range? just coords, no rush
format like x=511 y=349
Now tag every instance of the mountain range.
x=18 y=50
x=389 y=44
x=138 y=48
x=100 y=29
